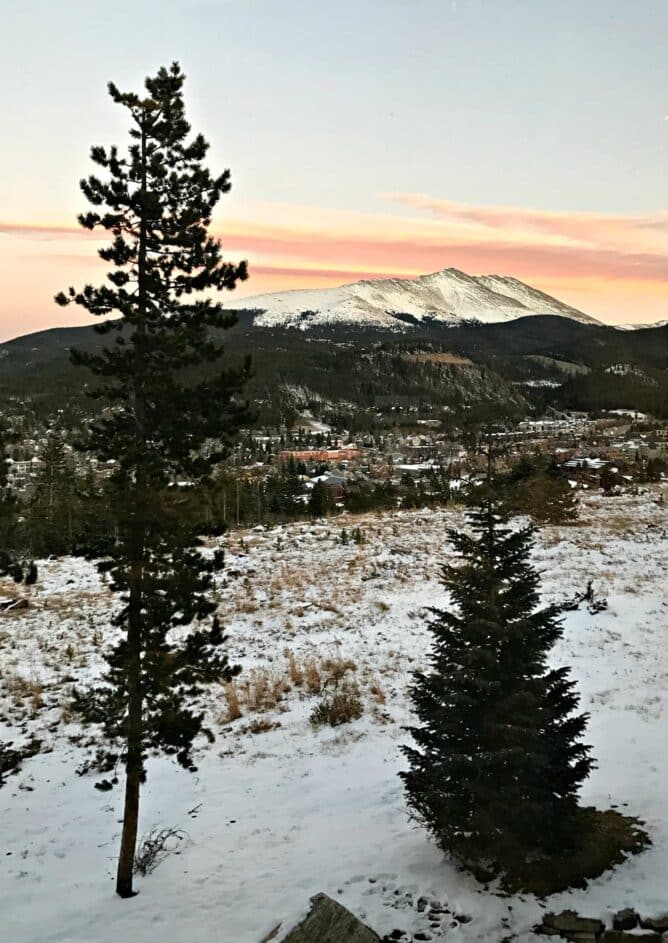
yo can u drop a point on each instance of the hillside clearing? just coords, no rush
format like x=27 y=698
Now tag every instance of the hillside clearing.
x=279 y=809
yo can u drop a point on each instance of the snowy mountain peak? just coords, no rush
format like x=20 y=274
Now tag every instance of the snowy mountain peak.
x=448 y=296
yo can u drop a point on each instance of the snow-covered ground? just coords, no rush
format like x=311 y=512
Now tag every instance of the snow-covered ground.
x=275 y=816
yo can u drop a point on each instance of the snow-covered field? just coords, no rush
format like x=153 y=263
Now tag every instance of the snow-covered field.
x=276 y=815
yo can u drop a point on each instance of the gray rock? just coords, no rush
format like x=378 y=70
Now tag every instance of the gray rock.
x=620 y=936
x=658 y=924
x=626 y=919
x=330 y=922
x=568 y=923
x=272 y=934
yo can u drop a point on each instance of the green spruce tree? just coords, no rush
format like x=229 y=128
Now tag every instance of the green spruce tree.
x=7 y=509
x=541 y=491
x=52 y=508
x=319 y=502
x=498 y=759
x=165 y=400
x=12 y=552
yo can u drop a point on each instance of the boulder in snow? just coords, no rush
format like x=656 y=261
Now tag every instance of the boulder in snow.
x=626 y=919
x=330 y=922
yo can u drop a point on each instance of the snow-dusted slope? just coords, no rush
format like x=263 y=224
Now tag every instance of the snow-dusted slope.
x=277 y=810
x=640 y=327
x=536 y=301
x=447 y=296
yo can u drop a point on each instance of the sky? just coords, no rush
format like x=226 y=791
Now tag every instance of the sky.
x=366 y=138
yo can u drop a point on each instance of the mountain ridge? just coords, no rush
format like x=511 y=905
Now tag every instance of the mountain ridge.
x=449 y=296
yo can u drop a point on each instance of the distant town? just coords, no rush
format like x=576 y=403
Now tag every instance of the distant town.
x=615 y=450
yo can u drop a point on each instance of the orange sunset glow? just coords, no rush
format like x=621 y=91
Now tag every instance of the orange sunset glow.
x=527 y=140
x=612 y=266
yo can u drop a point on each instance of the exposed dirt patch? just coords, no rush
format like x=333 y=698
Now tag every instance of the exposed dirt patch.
x=608 y=839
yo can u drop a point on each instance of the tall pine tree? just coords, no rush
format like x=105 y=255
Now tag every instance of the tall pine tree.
x=498 y=759
x=164 y=403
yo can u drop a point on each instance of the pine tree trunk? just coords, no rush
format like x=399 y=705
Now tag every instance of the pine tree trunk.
x=134 y=735
x=127 y=855
x=133 y=759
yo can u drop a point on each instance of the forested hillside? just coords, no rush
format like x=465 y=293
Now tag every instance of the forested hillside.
x=566 y=363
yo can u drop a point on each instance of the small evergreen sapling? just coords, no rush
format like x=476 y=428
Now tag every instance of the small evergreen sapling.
x=498 y=759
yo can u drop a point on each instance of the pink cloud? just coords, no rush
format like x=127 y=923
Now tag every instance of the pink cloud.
x=604 y=264
x=594 y=228
x=521 y=242
x=384 y=256
x=43 y=230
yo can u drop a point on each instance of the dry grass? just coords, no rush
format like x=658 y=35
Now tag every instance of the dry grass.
x=24 y=693
x=233 y=703
x=155 y=846
x=248 y=607
x=328 y=605
x=71 y=605
x=266 y=689
x=36 y=698
x=262 y=690
x=294 y=670
x=621 y=523
x=442 y=357
x=67 y=715
x=377 y=692
x=340 y=707
x=261 y=725
x=335 y=669
x=312 y=677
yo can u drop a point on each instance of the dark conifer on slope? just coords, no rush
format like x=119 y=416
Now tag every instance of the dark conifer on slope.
x=54 y=497
x=498 y=760
x=159 y=424
x=11 y=562
x=7 y=510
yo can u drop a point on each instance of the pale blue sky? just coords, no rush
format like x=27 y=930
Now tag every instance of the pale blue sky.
x=325 y=110
x=551 y=103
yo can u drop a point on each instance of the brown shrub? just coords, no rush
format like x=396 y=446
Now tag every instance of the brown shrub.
x=248 y=606
x=295 y=672
x=340 y=707
x=336 y=668
x=36 y=698
x=312 y=677
x=261 y=725
x=233 y=703
x=377 y=692
x=265 y=689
